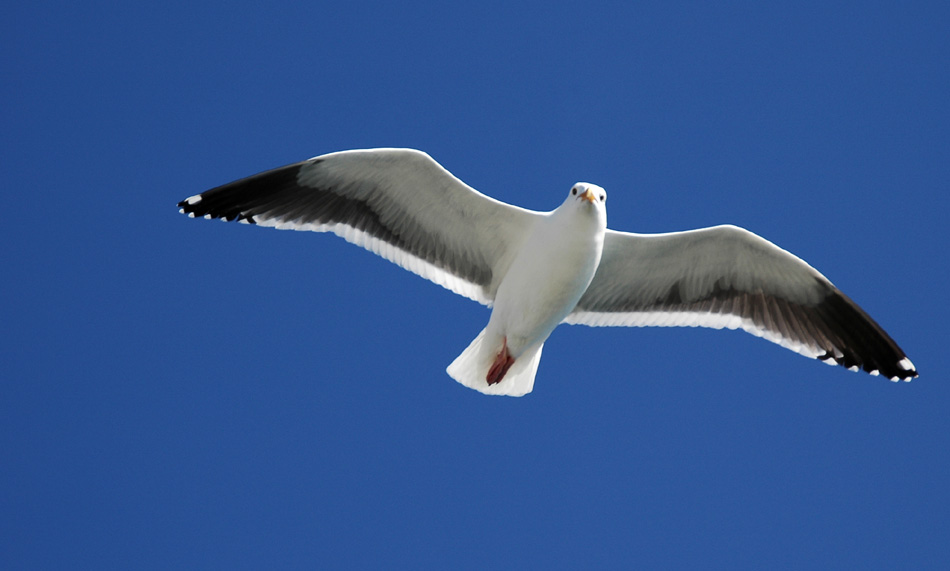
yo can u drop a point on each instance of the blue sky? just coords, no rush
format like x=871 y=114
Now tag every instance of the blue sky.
x=181 y=393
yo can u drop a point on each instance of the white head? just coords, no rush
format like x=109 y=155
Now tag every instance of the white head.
x=587 y=197
x=589 y=192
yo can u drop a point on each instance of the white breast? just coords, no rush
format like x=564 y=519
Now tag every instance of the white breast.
x=548 y=277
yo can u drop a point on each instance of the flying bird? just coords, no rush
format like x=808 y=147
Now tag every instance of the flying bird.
x=539 y=269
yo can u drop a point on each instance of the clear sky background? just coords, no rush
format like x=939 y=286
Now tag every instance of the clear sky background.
x=183 y=393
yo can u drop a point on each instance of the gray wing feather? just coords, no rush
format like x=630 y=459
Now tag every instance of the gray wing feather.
x=398 y=203
x=728 y=277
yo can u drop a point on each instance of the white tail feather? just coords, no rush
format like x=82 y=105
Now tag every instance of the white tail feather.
x=471 y=368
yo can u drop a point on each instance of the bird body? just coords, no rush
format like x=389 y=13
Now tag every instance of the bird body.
x=551 y=272
x=537 y=270
x=548 y=276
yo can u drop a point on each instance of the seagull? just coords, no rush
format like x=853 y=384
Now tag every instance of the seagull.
x=537 y=270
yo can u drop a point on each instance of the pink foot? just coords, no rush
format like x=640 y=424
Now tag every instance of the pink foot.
x=502 y=363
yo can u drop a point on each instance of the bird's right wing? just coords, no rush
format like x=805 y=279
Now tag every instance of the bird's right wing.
x=726 y=276
x=398 y=203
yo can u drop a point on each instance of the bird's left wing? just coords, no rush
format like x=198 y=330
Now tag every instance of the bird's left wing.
x=398 y=203
x=726 y=276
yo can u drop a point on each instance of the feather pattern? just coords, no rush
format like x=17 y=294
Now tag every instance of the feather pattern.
x=728 y=277
x=398 y=203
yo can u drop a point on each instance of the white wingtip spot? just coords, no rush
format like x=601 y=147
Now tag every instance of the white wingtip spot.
x=906 y=364
x=193 y=199
x=829 y=361
x=895 y=379
x=854 y=368
x=244 y=221
x=207 y=217
x=181 y=211
x=191 y=215
x=874 y=373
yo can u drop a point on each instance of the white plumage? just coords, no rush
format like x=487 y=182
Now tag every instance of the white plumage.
x=537 y=270
x=553 y=266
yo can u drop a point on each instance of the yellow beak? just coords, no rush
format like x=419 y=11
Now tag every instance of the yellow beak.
x=589 y=196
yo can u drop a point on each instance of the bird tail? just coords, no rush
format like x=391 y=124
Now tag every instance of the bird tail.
x=472 y=366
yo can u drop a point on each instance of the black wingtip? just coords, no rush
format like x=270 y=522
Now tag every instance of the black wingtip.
x=240 y=200
x=864 y=344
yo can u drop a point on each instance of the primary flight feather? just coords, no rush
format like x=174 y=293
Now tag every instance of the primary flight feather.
x=539 y=269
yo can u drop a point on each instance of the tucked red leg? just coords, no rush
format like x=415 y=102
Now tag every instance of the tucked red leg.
x=500 y=366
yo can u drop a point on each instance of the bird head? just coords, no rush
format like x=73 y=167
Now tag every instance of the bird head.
x=588 y=192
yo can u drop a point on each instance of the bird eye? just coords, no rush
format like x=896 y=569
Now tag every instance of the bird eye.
x=603 y=197
x=574 y=191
